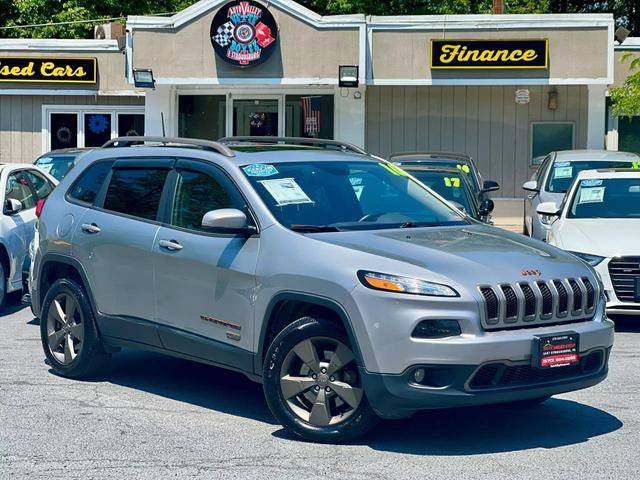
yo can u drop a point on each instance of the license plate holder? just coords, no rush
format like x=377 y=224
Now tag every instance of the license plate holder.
x=556 y=351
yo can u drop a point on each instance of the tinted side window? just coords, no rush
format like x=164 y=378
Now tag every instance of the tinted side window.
x=198 y=193
x=87 y=187
x=136 y=191
x=41 y=185
x=18 y=189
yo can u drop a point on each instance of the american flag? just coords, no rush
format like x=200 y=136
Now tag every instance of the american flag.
x=311 y=115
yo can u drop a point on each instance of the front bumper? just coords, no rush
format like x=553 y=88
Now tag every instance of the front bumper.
x=396 y=396
x=615 y=306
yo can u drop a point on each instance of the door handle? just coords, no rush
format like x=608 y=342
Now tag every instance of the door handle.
x=170 y=245
x=90 y=228
x=530 y=196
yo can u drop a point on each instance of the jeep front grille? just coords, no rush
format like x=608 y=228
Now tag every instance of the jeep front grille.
x=541 y=302
x=623 y=272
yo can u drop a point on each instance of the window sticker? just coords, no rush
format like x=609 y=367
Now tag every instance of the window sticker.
x=285 y=191
x=591 y=183
x=452 y=182
x=464 y=168
x=561 y=164
x=635 y=165
x=358 y=190
x=260 y=170
x=592 y=195
x=45 y=167
x=562 y=172
x=393 y=169
x=355 y=181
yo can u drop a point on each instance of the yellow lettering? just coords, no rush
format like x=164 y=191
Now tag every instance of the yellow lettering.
x=449 y=53
x=515 y=55
x=45 y=69
x=486 y=56
x=529 y=55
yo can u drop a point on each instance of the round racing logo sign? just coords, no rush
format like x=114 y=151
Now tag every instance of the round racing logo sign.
x=244 y=33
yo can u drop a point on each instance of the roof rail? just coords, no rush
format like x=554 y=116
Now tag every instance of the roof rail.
x=170 y=141
x=296 y=141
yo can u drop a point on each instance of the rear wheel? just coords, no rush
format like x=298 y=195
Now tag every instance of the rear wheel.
x=67 y=330
x=312 y=384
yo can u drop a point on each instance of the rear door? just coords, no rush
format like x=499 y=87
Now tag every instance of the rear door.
x=204 y=281
x=114 y=243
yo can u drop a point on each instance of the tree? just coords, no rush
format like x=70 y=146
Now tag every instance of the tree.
x=625 y=99
x=27 y=12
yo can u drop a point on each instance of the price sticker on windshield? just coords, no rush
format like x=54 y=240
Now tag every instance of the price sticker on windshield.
x=563 y=172
x=452 y=182
x=592 y=195
x=285 y=191
x=464 y=168
x=635 y=165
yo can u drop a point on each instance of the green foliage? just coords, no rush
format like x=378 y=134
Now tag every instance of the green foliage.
x=25 y=12
x=625 y=99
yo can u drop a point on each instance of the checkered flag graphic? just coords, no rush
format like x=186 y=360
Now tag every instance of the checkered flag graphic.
x=224 y=34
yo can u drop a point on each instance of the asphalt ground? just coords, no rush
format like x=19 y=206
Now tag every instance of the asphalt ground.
x=157 y=417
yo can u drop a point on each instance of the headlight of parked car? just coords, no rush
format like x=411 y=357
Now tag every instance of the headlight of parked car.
x=394 y=283
x=592 y=260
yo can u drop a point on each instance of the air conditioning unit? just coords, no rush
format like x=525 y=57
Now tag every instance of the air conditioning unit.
x=108 y=31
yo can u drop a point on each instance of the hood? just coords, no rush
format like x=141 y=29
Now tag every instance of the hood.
x=607 y=237
x=475 y=254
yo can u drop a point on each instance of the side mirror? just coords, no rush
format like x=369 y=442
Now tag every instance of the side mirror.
x=227 y=220
x=490 y=186
x=549 y=213
x=531 y=186
x=486 y=207
x=12 y=206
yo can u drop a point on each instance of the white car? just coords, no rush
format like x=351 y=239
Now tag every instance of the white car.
x=599 y=221
x=22 y=186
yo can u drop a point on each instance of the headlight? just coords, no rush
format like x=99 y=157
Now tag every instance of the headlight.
x=393 y=283
x=592 y=260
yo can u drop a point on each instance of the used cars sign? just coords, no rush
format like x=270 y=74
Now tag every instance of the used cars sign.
x=488 y=54
x=47 y=70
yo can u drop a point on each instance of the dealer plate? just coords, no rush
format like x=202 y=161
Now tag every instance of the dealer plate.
x=555 y=351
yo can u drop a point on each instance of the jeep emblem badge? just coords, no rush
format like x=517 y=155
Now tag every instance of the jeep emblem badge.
x=531 y=273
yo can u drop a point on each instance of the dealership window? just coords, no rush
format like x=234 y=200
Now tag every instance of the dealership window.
x=309 y=116
x=629 y=134
x=63 y=130
x=89 y=126
x=202 y=116
x=549 y=137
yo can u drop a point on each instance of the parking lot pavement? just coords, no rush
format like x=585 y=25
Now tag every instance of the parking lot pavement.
x=152 y=416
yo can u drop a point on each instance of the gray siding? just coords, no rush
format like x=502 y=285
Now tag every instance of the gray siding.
x=484 y=122
x=21 y=121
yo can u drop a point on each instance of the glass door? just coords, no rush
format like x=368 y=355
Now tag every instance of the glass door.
x=256 y=117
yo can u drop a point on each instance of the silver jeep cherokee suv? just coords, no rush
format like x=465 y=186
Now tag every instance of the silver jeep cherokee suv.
x=337 y=280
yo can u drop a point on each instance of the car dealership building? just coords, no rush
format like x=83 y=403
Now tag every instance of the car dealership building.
x=503 y=88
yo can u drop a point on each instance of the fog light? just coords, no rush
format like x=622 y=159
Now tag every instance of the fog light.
x=418 y=375
x=437 y=329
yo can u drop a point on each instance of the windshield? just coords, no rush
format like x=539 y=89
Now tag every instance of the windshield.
x=347 y=196
x=459 y=164
x=56 y=166
x=449 y=185
x=563 y=173
x=608 y=198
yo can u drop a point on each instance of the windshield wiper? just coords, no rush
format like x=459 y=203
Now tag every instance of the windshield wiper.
x=313 y=228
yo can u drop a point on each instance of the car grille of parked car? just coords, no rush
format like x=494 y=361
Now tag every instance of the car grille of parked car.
x=624 y=271
x=505 y=375
x=541 y=302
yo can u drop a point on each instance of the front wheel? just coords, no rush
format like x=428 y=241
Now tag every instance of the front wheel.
x=68 y=333
x=312 y=384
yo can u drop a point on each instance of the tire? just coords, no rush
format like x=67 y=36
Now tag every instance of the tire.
x=315 y=391
x=72 y=347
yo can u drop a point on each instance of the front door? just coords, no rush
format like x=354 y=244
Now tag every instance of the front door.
x=204 y=281
x=256 y=117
